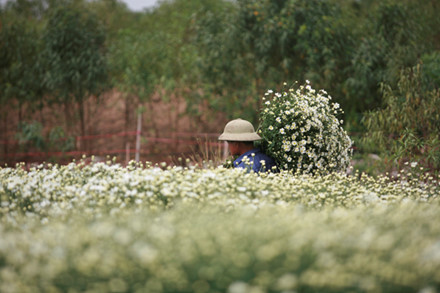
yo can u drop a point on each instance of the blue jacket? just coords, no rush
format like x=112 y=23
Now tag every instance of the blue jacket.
x=252 y=160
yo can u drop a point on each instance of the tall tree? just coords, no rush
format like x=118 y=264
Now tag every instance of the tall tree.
x=254 y=45
x=156 y=53
x=76 y=63
x=388 y=43
x=20 y=82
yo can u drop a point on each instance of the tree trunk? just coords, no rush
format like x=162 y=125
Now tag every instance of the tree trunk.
x=82 y=121
x=152 y=146
x=67 y=118
x=138 y=136
x=69 y=123
x=172 y=129
x=5 y=135
x=152 y=118
x=258 y=103
x=127 y=119
x=20 y=114
x=41 y=106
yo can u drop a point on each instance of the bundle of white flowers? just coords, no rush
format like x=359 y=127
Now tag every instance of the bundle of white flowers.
x=301 y=132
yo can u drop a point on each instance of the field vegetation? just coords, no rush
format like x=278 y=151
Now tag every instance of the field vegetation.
x=144 y=228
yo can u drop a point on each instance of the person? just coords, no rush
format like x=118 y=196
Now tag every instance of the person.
x=240 y=136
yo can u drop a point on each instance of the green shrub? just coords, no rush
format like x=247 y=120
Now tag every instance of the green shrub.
x=407 y=127
x=59 y=141
x=31 y=135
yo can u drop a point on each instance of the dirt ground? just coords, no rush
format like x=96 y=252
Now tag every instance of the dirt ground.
x=111 y=122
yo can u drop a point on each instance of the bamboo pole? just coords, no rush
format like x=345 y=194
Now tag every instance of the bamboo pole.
x=138 y=136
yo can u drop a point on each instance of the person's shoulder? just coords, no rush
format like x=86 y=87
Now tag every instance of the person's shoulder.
x=263 y=156
x=251 y=153
x=260 y=152
x=268 y=158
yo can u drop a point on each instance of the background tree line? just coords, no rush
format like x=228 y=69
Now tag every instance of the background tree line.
x=379 y=59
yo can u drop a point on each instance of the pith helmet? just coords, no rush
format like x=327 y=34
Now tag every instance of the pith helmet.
x=239 y=130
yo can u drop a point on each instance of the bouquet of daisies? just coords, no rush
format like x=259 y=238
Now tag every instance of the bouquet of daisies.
x=299 y=129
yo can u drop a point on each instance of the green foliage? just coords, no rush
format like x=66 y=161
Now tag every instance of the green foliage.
x=32 y=9
x=114 y=15
x=300 y=131
x=58 y=140
x=140 y=62
x=391 y=42
x=31 y=135
x=407 y=128
x=155 y=52
x=227 y=66
x=20 y=75
x=431 y=71
x=347 y=47
x=267 y=42
x=74 y=53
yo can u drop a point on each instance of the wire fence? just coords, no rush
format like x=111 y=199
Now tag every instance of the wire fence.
x=103 y=145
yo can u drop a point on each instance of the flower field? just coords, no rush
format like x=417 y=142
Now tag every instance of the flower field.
x=106 y=228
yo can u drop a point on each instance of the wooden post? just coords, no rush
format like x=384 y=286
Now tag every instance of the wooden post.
x=127 y=153
x=138 y=136
x=225 y=150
